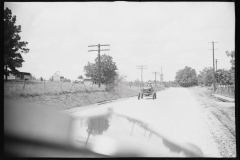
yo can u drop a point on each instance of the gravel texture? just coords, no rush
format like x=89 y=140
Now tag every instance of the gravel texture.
x=221 y=120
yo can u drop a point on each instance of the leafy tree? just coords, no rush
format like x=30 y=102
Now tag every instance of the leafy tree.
x=65 y=79
x=137 y=82
x=206 y=76
x=232 y=55
x=223 y=77
x=232 y=70
x=80 y=77
x=107 y=69
x=41 y=78
x=13 y=47
x=186 y=77
x=120 y=79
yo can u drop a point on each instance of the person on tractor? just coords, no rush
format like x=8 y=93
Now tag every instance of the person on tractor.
x=149 y=84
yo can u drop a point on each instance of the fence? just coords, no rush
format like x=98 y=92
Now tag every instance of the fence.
x=36 y=87
x=226 y=90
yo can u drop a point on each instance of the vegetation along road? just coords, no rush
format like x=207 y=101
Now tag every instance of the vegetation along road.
x=184 y=114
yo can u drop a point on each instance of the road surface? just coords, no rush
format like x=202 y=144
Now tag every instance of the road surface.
x=175 y=113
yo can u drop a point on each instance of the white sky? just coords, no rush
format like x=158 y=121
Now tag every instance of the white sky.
x=170 y=35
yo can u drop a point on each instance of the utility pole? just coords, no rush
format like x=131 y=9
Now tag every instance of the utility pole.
x=141 y=67
x=155 y=76
x=216 y=63
x=214 y=87
x=99 y=70
x=216 y=70
x=161 y=76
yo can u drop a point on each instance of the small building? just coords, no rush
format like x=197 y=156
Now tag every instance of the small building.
x=10 y=76
x=23 y=76
x=56 y=77
x=88 y=80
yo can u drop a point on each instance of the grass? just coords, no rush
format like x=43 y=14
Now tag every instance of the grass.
x=38 y=88
x=61 y=96
x=227 y=91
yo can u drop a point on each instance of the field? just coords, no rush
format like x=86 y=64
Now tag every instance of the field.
x=59 y=96
x=38 y=88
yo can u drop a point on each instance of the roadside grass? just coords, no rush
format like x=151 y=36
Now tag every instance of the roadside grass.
x=61 y=96
x=38 y=88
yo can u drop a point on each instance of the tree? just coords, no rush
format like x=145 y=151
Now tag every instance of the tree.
x=107 y=70
x=41 y=78
x=232 y=70
x=137 y=82
x=13 y=47
x=66 y=80
x=80 y=77
x=232 y=55
x=186 y=77
x=206 y=76
x=224 y=77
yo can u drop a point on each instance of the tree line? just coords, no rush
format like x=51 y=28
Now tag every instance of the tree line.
x=187 y=77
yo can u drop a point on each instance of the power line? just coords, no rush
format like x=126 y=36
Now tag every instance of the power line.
x=214 y=87
x=99 y=71
x=141 y=67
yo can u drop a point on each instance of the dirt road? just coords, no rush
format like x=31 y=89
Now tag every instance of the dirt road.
x=187 y=115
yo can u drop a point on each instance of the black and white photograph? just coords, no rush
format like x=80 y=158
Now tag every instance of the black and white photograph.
x=119 y=79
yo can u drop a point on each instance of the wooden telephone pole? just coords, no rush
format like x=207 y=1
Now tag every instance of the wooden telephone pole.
x=99 y=66
x=161 y=76
x=141 y=67
x=155 y=76
x=214 y=87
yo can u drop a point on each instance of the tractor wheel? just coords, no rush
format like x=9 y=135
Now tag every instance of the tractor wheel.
x=138 y=96
x=142 y=96
x=155 y=95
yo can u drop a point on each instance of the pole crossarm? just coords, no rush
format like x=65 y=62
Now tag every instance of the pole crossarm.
x=104 y=49
x=92 y=50
x=99 y=45
x=104 y=44
x=92 y=45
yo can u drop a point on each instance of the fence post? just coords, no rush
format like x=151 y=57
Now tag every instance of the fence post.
x=24 y=84
x=229 y=91
x=72 y=85
x=61 y=85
